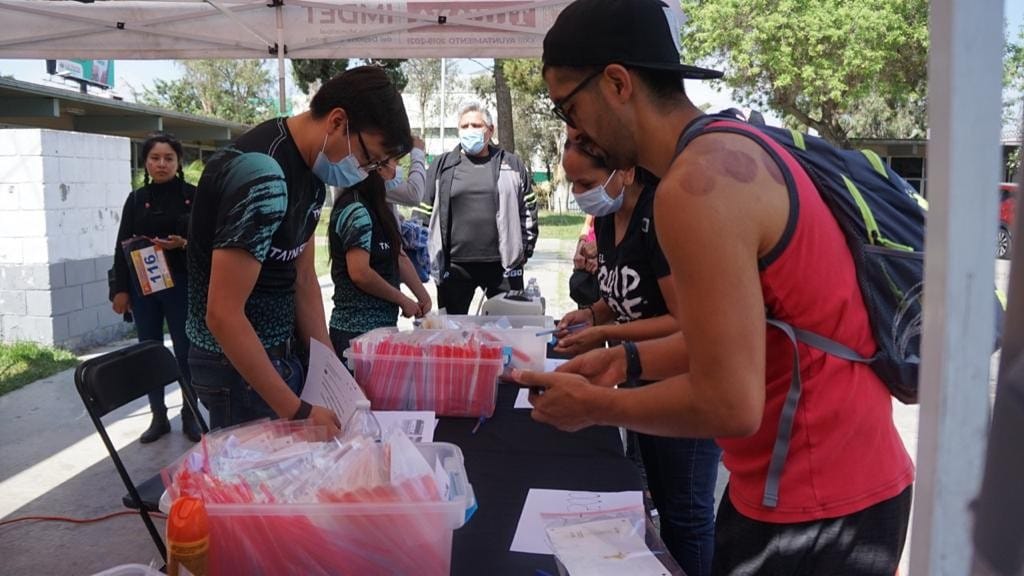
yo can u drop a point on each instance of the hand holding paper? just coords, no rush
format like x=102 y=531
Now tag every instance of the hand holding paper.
x=328 y=383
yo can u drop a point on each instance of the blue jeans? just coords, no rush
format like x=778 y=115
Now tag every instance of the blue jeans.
x=227 y=396
x=150 y=312
x=681 y=474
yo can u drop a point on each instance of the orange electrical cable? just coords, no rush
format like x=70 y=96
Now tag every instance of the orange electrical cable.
x=77 y=520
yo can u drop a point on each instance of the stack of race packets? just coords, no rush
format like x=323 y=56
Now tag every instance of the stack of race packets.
x=453 y=372
x=283 y=498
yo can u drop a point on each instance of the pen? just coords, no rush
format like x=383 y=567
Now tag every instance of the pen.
x=570 y=328
x=478 y=423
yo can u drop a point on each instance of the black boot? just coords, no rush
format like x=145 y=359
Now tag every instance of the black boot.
x=189 y=425
x=157 y=428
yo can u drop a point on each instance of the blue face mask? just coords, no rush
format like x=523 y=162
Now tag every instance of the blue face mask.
x=342 y=174
x=394 y=182
x=472 y=141
x=597 y=202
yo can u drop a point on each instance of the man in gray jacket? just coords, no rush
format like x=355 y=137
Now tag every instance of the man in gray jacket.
x=483 y=215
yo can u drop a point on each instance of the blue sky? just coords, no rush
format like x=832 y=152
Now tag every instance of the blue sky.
x=139 y=74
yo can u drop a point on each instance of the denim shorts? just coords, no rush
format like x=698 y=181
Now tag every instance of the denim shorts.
x=227 y=396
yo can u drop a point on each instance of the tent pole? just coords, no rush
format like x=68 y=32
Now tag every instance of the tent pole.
x=964 y=77
x=443 y=78
x=282 y=98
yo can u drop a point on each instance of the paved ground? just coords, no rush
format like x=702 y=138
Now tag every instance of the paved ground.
x=52 y=462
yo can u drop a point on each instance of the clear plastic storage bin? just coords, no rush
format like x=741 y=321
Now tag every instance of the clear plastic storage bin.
x=526 y=348
x=345 y=538
x=452 y=372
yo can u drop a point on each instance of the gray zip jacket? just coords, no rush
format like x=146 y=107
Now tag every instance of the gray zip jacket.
x=516 y=217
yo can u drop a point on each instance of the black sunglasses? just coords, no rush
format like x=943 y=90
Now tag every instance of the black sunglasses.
x=558 y=107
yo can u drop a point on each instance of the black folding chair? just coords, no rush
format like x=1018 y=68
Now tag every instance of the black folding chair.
x=107 y=383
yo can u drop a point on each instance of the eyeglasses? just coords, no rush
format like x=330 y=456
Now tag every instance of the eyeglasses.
x=558 y=107
x=373 y=165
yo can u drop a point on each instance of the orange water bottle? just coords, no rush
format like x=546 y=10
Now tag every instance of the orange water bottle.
x=188 y=537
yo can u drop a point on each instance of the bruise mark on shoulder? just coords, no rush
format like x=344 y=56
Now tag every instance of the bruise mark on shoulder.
x=773 y=169
x=697 y=175
x=713 y=159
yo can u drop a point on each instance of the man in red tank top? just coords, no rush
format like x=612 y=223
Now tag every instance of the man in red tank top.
x=750 y=234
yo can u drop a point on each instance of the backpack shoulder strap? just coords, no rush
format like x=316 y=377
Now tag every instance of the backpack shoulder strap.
x=696 y=127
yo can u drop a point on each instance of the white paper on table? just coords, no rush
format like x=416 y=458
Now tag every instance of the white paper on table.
x=418 y=426
x=523 y=399
x=609 y=547
x=530 y=535
x=551 y=363
x=329 y=383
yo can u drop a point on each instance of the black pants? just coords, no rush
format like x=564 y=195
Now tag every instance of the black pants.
x=455 y=293
x=150 y=312
x=341 y=340
x=865 y=543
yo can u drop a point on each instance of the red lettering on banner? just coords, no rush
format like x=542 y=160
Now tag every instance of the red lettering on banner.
x=432 y=10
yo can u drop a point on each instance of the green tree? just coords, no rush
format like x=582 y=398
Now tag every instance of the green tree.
x=308 y=72
x=424 y=81
x=503 y=101
x=813 y=62
x=424 y=76
x=1013 y=93
x=538 y=132
x=236 y=90
x=395 y=69
x=314 y=72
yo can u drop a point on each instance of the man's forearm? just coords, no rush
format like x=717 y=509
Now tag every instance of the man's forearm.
x=675 y=408
x=310 y=321
x=641 y=330
x=664 y=357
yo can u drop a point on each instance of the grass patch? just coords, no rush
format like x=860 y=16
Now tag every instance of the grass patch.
x=322 y=260
x=560 y=226
x=22 y=363
x=553 y=226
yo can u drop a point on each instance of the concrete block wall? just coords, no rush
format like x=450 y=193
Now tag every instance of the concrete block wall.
x=61 y=195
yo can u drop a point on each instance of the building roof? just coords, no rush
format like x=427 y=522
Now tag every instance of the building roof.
x=35 y=106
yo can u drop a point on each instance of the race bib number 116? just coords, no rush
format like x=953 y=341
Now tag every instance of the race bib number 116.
x=150 y=265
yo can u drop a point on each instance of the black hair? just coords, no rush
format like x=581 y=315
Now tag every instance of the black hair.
x=663 y=85
x=372 y=192
x=372 y=104
x=162 y=138
x=595 y=161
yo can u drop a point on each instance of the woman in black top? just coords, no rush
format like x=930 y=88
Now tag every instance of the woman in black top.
x=637 y=303
x=159 y=211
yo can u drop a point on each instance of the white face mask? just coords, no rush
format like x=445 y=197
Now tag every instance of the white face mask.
x=597 y=202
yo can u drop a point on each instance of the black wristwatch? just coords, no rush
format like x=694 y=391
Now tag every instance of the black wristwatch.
x=633 y=367
x=303 y=412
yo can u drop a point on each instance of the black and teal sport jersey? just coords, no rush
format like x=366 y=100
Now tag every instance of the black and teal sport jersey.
x=353 y=225
x=258 y=195
x=628 y=272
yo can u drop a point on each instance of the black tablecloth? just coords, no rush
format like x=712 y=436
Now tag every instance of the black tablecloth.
x=509 y=455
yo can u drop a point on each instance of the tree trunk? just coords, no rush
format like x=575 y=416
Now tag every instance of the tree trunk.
x=503 y=97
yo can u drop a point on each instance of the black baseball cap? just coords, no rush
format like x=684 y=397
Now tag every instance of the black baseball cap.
x=634 y=33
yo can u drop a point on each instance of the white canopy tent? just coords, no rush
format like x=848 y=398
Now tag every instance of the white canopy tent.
x=184 y=29
x=964 y=94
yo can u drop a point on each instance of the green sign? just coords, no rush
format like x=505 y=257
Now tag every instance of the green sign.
x=97 y=72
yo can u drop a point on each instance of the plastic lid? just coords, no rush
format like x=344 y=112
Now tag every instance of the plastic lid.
x=187 y=521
